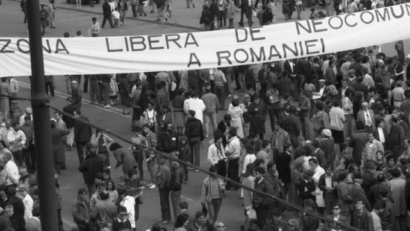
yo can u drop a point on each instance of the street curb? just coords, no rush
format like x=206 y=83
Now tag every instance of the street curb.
x=129 y=18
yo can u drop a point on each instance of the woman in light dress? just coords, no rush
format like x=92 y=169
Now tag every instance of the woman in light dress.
x=236 y=117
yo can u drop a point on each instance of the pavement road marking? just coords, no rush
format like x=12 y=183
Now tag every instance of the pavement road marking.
x=85 y=101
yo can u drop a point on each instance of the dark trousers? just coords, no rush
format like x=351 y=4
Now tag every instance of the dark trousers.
x=195 y=150
x=220 y=93
x=400 y=223
x=139 y=158
x=50 y=88
x=233 y=171
x=134 y=10
x=272 y=118
x=186 y=172
x=95 y=92
x=57 y=168
x=18 y=157
x=248 y=13
x=165 y=206
x=30 y=158
x=109 y=21
x=221 y=168
x=80 y=151
x=222 y=18
x=294 y=140
x=263 y=3
x=262 y=215
x=106 y=92
x=85 y=84
x=295 y=92
x=91 y=188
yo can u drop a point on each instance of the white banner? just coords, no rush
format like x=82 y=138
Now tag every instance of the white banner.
x=209 y=49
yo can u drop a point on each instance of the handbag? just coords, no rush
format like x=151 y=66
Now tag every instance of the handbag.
x=251 y=213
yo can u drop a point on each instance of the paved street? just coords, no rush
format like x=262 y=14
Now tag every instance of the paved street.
x=70 y=19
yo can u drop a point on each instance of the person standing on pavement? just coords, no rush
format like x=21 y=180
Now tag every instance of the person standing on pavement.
x=194 y=130
x=122 y=8
x=58 y=146
x=232 y=151
x=82 y=133
x=134 y=7
x=236 y=113
x=50 y=85
x=16 y=140
x=195 y=104
x=105 y=81
x=76 y=94
x=212 y=192
x=304 y=113
x=51 y=13
x=28 y=149
x=107 y=14
x=23 y=5
x=175 y=187
x=168 y=141
x=337 y=120
x=69 y=109
x=81 y=211
x=92 y=165
x=151 y=138
x=292 y=126
x=258 y=112
x=211 y=110
x=162 y=180
x=95 y=91
x=94 y=32
x=262 y=203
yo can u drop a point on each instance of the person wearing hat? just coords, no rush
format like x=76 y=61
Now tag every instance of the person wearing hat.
x=29 y=112
x=258 y=113
x=76 y=94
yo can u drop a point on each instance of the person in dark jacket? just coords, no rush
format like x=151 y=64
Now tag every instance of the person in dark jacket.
x=395 y=140
x=175 y=187
x=262 y=203
x=306 y=187
x=358 y=141
x=292 y=126
x=107 y=14
x=5 y=222
x=82 y=133
x=81 y=211
x=283 y=161
x=69 y=122
x=58 y=146
x=224 y=126
x=184 y=154
x=206 y=17
x=92 y=165
x=168 y=141
x=17 y=219
x=195 y=133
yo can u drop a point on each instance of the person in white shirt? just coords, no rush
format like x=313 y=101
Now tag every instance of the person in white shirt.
x=216 y=154
x=27 y=201
x=17 y=139
x=128 y=202
x=233 y=150
x=196 y=105
x=249 y=158
x=11 y=171
x=319 y=171
x=4 y=131
x=13 y=87
x=95 y=28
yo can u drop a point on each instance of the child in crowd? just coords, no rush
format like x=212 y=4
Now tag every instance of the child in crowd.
x=184 y=153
